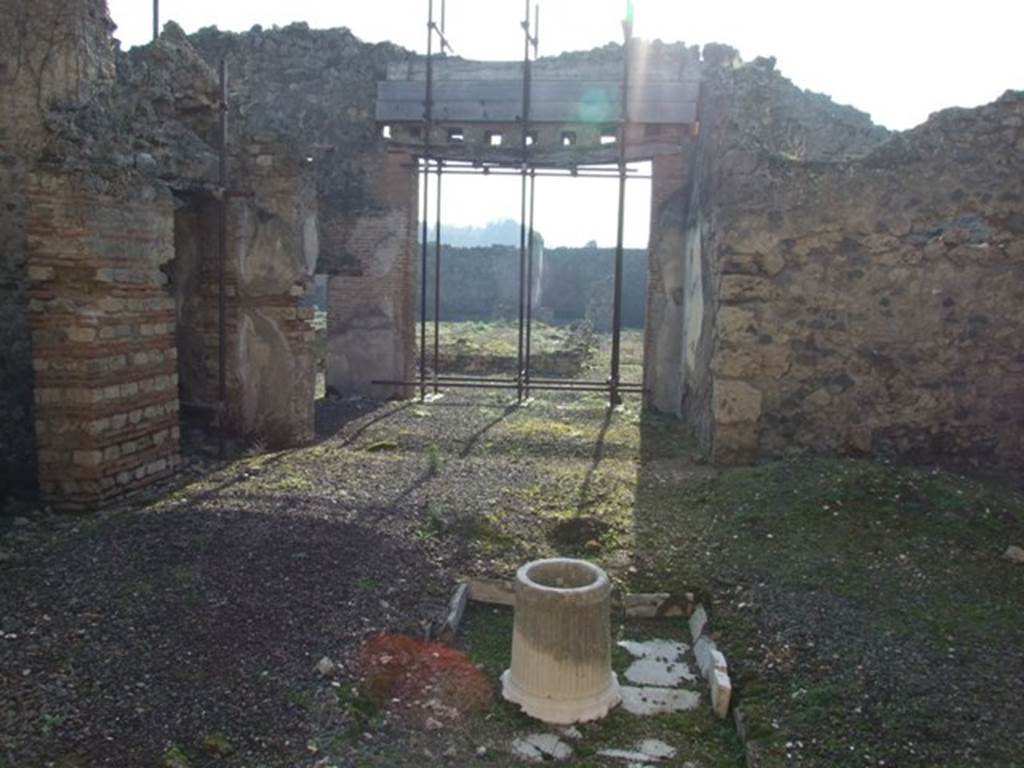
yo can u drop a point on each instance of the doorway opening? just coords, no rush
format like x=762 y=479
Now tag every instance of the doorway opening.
x=529 y=303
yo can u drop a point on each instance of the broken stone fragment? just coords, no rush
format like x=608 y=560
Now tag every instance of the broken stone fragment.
x=649 y=700
x=698 y=622
x=325 y=667
x=1014 y=554
x=646 y=752
x=708 y=656
x=146 y=163
x=655 y=604
x=541 y=747
x=721 y=693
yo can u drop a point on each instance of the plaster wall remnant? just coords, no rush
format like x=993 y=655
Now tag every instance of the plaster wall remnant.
x=371 y=309
x=319 y=87
x=273 y=249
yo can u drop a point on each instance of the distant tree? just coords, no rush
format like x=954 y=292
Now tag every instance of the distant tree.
x=503 y=232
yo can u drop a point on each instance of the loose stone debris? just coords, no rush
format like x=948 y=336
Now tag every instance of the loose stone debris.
x=325 y=667
x=698 y=622
x=538 y=747
x=646 y=752
x=657 y=605
x=711 y=662
x=1014 y=554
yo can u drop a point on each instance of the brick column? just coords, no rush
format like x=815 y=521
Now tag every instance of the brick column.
x=104 y=356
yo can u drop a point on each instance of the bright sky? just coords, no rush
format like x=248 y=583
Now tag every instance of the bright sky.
x=898 y=60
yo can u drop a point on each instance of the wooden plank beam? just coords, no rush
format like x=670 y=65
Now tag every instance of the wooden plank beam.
x=550 y=101
x=540 y=157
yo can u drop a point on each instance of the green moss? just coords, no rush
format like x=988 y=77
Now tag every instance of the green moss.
x=381 y=445
x=218 y=745
x=175 y=757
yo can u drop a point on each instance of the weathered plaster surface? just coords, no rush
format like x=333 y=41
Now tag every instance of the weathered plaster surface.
x=866 y=297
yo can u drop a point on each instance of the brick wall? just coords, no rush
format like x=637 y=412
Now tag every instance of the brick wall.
x=105 y=362
x=50 y=52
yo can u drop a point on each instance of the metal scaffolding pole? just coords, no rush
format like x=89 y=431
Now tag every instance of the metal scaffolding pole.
x=613 y=381
x=528 y=42
x=437 y=279
x=156 y=19
x=529 y=279
x=222 y=247
x=427 y=121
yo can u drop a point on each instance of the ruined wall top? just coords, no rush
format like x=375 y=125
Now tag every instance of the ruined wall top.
x=157 y=121
x=765 y=111
x=317 y=87
x=52 y=54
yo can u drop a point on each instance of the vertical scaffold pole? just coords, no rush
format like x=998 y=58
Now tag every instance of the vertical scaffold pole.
x=521 y=373
x=427 y=120
x=613 y=381
x=156 y=19
x=222 y=247
x=529 y=278
x=437 y=279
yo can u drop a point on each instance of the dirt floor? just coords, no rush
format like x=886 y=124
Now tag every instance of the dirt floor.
x=867 y=613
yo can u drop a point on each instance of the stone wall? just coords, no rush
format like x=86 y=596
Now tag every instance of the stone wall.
x=569 y=284
x=865 y=290
x=106 y=400
x=482 y=283
x=318 y=87
x=50 y=53
x=109 y=236
x=271 y=254
x=578 y=282
x=17 y=443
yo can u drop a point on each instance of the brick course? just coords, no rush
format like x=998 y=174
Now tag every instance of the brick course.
x=105 y=361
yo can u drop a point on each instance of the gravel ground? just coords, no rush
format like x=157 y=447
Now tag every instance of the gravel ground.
x=865 y=609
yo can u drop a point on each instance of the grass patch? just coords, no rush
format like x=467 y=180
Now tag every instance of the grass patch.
x=381 y=445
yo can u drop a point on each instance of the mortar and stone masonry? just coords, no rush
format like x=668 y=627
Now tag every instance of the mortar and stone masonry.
x=817 y=283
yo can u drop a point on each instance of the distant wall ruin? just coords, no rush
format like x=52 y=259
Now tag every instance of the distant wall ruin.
x=570 y=284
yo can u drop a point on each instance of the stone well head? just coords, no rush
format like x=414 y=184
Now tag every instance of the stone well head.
x=561 y=668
